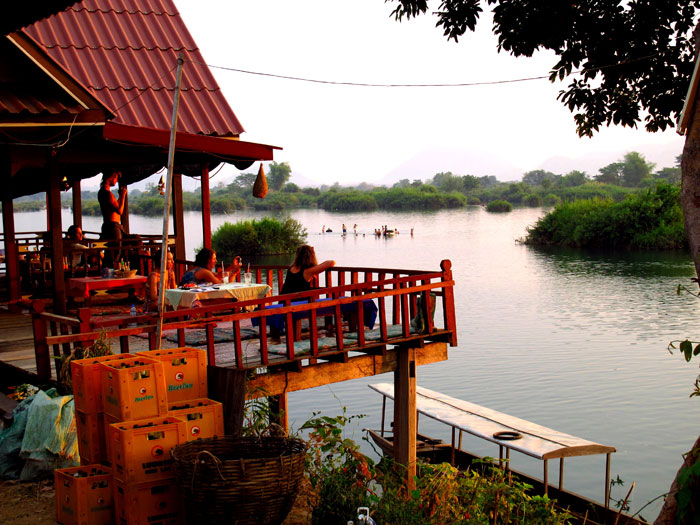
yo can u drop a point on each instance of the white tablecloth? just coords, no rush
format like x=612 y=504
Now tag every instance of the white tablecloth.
x=179 y=298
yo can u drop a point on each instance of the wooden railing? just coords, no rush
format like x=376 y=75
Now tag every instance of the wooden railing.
x=341 y=296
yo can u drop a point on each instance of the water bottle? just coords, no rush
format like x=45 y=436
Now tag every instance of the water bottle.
x=132 y=313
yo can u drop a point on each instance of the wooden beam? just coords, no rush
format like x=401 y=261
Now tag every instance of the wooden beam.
x=405 y=414
x=326 y=373
x=178 y=220
x=206 y=208
x=11 y=252
x=77 y=205
x=56 y=228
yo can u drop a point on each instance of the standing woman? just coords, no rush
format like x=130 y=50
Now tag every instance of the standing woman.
x=112 y=210
x=302 y=271
x=205 y=266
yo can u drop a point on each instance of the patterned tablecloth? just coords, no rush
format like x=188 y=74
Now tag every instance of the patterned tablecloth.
x=179 y=298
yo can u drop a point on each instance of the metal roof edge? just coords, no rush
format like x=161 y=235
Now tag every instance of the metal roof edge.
x=57 y=73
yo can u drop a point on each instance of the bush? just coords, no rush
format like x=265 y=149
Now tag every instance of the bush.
x=499 y=206
x=346 y=479
x=651 y=219
x=532 y=200
x=551 y=199
x=473 y=201
x=263 y=237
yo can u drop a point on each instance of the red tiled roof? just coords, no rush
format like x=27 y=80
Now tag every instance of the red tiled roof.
x=125 y=53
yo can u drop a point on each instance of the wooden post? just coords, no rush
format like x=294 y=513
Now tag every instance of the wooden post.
x=41 y=349
x=206 y=207
x=178 y=219
x=405 y=415
x=448 y=301
x=125 y=216
x=11 y=252
x=280 y=410
x=228 y=386
x=56 y=229
x=77 y=205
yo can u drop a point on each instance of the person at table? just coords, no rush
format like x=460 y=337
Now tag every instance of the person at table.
x=205 y=268
x=74 y=243
x=302 y=271
x=154 y=279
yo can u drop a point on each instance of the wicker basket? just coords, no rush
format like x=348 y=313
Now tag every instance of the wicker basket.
x=239 y=480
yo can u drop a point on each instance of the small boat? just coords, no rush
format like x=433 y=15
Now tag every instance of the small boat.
x=509 y=433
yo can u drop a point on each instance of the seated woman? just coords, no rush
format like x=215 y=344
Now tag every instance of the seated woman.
x=153 y=282
x=302 y=271
x=205 y=266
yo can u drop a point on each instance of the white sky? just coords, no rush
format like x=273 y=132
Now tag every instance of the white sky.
x=355 y=134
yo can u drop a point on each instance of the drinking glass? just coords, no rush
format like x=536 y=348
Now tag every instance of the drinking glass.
x=248 y=278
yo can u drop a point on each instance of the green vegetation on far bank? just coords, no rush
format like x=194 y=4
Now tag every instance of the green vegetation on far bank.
x=444 y=190
x=649 y=220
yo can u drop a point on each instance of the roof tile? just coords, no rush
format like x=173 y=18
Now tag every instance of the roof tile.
x=125 y=53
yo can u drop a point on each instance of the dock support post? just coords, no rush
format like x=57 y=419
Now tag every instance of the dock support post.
x=279 y=410
x=405 y=415
x=607 y=480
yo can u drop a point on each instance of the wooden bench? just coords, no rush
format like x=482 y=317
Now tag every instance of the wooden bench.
x=508 y=432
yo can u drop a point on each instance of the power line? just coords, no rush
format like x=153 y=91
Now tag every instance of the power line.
x=431 y=85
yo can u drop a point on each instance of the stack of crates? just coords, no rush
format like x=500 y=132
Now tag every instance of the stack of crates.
x=89 y=416
x=132 y=409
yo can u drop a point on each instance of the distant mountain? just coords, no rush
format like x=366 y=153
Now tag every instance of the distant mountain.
x=426 y=164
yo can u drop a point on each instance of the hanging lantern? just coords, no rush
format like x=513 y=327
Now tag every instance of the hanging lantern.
x=161 y=186
x=260 y=186
x=64 y=183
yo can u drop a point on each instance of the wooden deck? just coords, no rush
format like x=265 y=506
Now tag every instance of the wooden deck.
x=323 y=325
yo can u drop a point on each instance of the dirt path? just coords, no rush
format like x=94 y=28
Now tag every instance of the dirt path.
x=33 y=503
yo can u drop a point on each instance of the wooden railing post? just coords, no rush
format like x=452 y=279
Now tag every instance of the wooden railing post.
x=41 y=348
x=448 y=302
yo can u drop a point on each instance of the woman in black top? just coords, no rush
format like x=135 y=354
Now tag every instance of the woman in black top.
x=302 y=271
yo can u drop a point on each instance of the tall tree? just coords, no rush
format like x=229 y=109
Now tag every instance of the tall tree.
x=610 y=174
x=278 y=175
x=635 y=168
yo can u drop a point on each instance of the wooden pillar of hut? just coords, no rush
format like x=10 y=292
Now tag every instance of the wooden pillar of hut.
x=125 y=215
x=178 y=219
x=77 y=205
x=405 y=415
x=56 y=231
x=11 y=252
x=206 y=208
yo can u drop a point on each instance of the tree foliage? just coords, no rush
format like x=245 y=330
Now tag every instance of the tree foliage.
x=627 y=61
x=278 y=175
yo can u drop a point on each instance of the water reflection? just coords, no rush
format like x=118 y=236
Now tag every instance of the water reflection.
x=622 y=263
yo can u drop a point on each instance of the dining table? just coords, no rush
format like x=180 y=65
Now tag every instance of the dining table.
x=180 y=298
x=83 y=286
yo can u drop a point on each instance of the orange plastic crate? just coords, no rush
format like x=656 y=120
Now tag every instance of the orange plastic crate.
x=140 y=450
x=87 y=389
x=91 y=437
x=133 y=388
x=84 y=495
x=204 y=417
x=107 y=422
x=153 y=503
x=185 y=372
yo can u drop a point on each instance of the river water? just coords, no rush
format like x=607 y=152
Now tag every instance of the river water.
x=568 y=339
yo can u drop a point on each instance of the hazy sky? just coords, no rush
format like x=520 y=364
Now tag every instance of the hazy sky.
x=352 y=134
